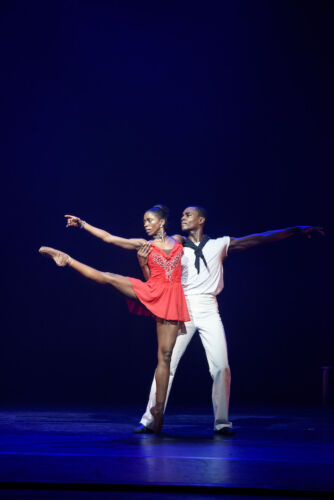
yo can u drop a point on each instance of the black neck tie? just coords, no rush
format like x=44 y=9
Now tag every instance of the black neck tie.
x=198 y=250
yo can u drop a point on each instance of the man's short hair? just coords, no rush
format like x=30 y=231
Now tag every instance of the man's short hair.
x=202 y=212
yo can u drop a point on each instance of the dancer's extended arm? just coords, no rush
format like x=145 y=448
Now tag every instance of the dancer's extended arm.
x=127 y=243
x=239 y=244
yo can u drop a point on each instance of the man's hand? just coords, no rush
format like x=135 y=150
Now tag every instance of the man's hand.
x=143 y=254
x=310 y=230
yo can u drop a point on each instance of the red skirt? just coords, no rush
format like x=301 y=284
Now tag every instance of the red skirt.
x=162 y=300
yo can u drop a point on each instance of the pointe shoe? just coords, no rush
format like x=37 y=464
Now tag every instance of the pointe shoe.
x=60 y=258
x=158 y=413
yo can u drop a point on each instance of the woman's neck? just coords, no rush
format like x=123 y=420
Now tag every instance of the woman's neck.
x=160 y=237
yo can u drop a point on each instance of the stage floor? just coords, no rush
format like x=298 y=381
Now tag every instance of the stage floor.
x=286 y=452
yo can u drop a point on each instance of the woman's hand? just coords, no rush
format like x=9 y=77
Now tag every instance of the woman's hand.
x=143 y=253
x=73 y=221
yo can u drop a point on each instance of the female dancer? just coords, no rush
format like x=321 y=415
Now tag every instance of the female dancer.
x=162 y=295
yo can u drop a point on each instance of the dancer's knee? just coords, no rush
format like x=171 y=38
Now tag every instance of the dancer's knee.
x=165 y=356
x=116 y=279
x=225 y=371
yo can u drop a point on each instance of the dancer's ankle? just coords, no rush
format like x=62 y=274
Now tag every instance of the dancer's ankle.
x=158 y=407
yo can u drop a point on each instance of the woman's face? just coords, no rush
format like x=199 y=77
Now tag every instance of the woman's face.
x=152 y=223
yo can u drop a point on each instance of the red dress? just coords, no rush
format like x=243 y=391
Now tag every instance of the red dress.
x=162 y=294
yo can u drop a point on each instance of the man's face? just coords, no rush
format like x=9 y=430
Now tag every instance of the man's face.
x=191 y=219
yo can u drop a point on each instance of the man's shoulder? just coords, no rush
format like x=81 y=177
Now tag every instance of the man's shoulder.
x=219 y=246
x=221 y=240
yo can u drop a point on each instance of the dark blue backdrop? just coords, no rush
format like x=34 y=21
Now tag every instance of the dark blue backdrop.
x=110 y=107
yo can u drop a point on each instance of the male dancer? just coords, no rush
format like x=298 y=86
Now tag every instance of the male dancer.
x=202 y=280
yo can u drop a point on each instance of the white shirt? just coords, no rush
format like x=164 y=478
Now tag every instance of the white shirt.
x=209 y=280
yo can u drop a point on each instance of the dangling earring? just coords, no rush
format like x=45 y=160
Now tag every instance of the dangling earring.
x=160 y=236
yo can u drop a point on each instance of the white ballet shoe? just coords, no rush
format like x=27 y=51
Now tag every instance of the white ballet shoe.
x=60 y=258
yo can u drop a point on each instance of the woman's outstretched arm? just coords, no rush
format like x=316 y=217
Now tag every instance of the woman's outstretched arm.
x=127 y=243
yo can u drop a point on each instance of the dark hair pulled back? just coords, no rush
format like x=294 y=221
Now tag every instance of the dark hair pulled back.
x=161 y=211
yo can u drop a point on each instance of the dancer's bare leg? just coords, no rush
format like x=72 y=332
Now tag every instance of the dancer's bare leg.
x=167 y=334
x=166 y=330
x=121 y=283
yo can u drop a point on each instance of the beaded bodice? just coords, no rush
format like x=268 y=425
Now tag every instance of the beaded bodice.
x=166 y=267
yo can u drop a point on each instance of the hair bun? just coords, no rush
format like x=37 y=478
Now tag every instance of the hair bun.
x=164 y=210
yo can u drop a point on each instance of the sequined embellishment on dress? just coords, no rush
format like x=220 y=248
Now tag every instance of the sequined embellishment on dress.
x=166 y=264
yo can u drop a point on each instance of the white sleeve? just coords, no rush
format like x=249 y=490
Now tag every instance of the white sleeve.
x=224 y=244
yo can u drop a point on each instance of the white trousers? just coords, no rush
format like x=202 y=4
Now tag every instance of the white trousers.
x=204 y=317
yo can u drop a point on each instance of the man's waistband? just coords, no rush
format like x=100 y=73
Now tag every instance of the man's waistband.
x=201 y=297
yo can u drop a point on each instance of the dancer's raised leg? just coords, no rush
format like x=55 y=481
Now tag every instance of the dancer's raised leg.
x=167 y=334
x=121 y=283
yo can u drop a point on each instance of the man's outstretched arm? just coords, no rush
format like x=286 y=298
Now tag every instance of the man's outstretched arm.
x=252 y=240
